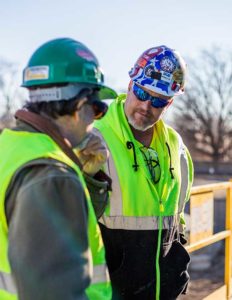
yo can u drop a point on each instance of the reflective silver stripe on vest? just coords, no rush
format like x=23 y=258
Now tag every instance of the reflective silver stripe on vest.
x=100 y=274
x=184 y=175
x=139 y=223
x=110 y=169
x=115 y=205
x=7 y=284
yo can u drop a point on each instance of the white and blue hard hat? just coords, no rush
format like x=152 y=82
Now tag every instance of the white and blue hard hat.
x=161 y=70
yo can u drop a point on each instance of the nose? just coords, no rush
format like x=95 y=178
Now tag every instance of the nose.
x=146 y=104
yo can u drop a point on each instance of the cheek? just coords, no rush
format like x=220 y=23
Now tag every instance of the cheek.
x=87 y=114
x=131 y=104
x=127 y=107
x=158 y=113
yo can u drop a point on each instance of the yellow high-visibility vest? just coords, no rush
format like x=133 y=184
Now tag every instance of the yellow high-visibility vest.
x=18 y=148
x=139 y=201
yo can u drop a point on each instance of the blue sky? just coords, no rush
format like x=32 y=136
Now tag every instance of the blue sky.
x=116 y=31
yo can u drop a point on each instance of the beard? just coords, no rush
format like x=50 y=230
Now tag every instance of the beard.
x=142 y=127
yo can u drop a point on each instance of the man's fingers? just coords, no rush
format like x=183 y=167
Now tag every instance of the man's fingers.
x=94 y=150
x=92 y=153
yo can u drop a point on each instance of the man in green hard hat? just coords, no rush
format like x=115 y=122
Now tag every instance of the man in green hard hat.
x=51 y=247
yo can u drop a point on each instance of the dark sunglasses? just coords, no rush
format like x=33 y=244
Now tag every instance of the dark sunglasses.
x=99 y=107
x=142 y=95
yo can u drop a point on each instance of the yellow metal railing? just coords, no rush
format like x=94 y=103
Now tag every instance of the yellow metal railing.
x=225 y=234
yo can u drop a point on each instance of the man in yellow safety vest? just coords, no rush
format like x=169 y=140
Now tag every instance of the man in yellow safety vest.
x=152 y=173
x=50 y=242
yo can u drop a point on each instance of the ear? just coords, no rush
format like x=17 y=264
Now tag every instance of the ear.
x=170 y=103
x=75 y=114
x=130 y=85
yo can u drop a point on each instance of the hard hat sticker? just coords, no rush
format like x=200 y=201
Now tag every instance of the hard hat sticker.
x=149 y=70
x=166 y=76
x=163 y=86
x=36 y=73
x=86 y=55
x=167 y=64
x=178 y=76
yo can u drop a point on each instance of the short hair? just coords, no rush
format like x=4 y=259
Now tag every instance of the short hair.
x=53 y=109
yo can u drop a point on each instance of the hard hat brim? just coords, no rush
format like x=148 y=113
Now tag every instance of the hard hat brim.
x=106 y=93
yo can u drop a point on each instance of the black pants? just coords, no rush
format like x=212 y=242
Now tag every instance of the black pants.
x=131 y=256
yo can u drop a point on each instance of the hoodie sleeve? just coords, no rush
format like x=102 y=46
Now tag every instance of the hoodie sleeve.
x=190 y=175
x=48 y=241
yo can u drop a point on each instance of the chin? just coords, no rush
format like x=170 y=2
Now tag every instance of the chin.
x=141 y=127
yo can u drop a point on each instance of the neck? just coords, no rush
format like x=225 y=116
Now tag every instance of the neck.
x=144 y=137
x=66 y=128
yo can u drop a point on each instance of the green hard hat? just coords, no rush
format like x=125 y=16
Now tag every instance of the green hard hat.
x=65 y=60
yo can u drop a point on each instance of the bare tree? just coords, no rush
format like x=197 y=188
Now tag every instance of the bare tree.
x=204 y=114
x=10 y=95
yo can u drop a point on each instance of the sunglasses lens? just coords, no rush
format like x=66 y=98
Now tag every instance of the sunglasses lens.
x=100 y=108
x=144 y=96
x=139 y=93
x=158 y=102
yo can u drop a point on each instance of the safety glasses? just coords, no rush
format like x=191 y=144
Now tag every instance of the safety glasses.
x=152 y=161
x=142 y=95
x=99 y=107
